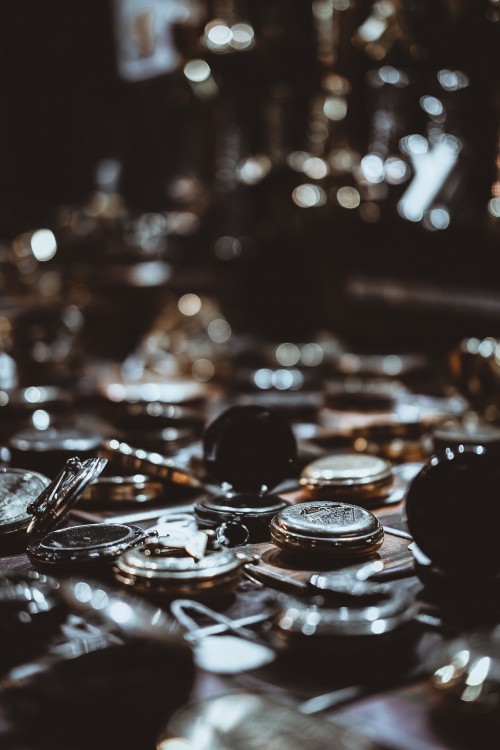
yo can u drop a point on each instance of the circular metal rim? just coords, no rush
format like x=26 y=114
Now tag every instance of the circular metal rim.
x=20 y=523
x=93 y=554
x=151 y=572
x=365 y=484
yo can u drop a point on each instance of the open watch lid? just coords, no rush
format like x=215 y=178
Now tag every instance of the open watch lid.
x=50 y=507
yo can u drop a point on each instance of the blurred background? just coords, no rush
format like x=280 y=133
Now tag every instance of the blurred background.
x=312 y=170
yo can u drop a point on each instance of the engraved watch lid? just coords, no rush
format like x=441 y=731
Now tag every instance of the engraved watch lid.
x=50 y=507
x=18 y=489
x=347 y=472
x=327 y=528
x=88 y=543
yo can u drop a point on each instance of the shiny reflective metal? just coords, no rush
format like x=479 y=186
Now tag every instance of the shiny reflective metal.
x=19 y=488
x=94 y=544
x=220 y=653
x=163 y=571
x=137 y=488
x=135 y=460
x=49 y=508
x=119 y=612
x=371 y=611
x=466 y=673
x=347 y=476
x=327 y=529
x=247 y=721
x=249 y=512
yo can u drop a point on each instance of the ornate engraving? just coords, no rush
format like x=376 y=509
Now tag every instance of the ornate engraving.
x=336 y=515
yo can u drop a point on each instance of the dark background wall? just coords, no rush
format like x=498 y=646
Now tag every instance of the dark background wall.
x=64 y=107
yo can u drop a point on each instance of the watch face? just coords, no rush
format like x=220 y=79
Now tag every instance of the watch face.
x=18 y=489
x=87 y=543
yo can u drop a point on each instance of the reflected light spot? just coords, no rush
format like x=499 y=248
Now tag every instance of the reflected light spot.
x=414 y=144
x=254 y=169
x=99 y=599
x=348 y=197
x=396 y=170
x=197 y=71
x=315 y=168
x=372 y=168
x=335 y=108
x=219 y=330
x=282 y=380
x=431 y=105
x=453 y=80
x=343 y=160
x=121 y=612
x=203 y=370
x=309 y=196
x=393 y=76
x=227 y=248
x=287 y=354
x=437 y=218
x=494 y=207
x=189 y=304
x=392 y=364
x=378 y=627
x=297 y=159
x=33 y=395
x=372 y=29
x=311 y=355
x=218 y=36
x=243 y=36
x=335 y=84
x=43 y=244
x=479 y=671
x=487 y=347
x=263 y=378
x=175 y=743
x=83 y=592
x=40 y=419
x=444 y=675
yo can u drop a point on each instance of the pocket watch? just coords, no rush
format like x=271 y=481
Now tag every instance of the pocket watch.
x=163 y=570
x=33 y=508
x=249 y=449
x=351 y=477
x=327 y=529
x=242 y=517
